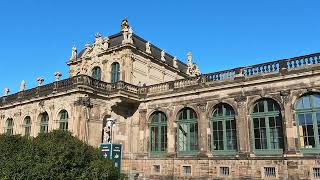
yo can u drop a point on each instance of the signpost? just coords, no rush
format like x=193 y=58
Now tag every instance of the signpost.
x=112 y=152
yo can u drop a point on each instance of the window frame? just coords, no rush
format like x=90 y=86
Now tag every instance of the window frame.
x=9 y=129
x=44 y=125
x=96 y=73
x=313 y=111
x=27 y=126
x=223 y=118
x=115 y=72
x=188 y=122
x=158 y=124
x=64 y=122
x=267 y=115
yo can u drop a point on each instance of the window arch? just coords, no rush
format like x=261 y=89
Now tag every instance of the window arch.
x=223 y=128
x=158 y=132
x=9 y=126
x=308 y=121
x=115 y=72
x=267 y=127
x=63 y=120
x=187 y=131
x=44 y=120
x=96 y=73
x=27 y=126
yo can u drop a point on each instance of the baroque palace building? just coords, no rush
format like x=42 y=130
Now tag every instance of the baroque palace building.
x=254 y=122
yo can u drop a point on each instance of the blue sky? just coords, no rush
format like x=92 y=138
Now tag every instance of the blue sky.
x=36 y=35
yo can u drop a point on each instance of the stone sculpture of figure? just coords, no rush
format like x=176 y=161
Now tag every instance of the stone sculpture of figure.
x=196 y=70
x=105 y=43
x=40 y=81
x=189 y=57
x=73 y=53
x=124 y=25
x=107 y=134
x=22 y=85
x=130 y=32
x=162 y=55
x=6 y=91
x=175 y=62
x=148 y=49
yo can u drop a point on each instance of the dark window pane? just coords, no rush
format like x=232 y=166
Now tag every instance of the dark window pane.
x=262 y=122
x=316 y=100
x=255 y=108
x=261 y=106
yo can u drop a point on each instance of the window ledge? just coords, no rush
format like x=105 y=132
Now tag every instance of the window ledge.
x=269 y=152
x=224 y=152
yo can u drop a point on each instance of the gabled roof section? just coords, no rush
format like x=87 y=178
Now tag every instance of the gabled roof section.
x=138 y=42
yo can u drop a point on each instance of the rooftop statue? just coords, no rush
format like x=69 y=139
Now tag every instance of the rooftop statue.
x=22 y=85
x=148 y=49
x=162 y=55
x=124 y=25
x=73 y=53
x=193 y=69
x=6 y=91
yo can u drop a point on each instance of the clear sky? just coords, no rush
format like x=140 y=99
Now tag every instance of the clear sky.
x=36 y=36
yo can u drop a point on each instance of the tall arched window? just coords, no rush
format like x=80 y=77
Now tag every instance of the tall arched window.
x=63 y=120
x=27 y=126
x=115 y=72
x=308 y=121
x=267 y=127
x=223 y=126
x=9 y=126
x=96 y=73
x=158 y=132
x=187 y=134
x=44 y=120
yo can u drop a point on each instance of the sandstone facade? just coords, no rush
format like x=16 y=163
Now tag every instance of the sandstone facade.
x=284 y=144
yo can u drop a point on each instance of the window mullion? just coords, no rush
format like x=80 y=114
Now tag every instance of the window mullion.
x=268 y=133
x=315 y=129
x=224 y=134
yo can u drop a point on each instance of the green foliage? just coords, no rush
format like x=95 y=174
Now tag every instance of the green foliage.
x=54 y=155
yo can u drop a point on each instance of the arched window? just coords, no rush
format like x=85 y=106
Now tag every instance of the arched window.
x=158 y=132
x=115 y=72
x=223 y=126
x=187 y=134
x=9 y=126
x=267 y=127
x=27 y=126
x=44 y=120
x=96 y=73
x=63 y=121
x=308 y=121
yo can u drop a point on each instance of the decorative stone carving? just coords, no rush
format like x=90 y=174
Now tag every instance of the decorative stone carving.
x=73 y=54
x=162 y=55
x=57 y=75
x=240 y=99
x=193 y=69
x=40 y=81
x=202 y=107
x=124 y=24
x=175 y=62
x=6 y=91
x=189 y=57
x=107 y=133
x=148 y=48
x=105 y=43
x=126 y=31
x=22 y=85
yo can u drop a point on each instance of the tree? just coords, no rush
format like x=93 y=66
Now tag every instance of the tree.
x=54 y=155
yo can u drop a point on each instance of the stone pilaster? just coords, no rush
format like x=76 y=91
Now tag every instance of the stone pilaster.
x=289 y=132
x=202 y=127
x=172 y=126
x=243 y=128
